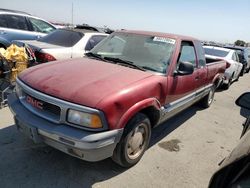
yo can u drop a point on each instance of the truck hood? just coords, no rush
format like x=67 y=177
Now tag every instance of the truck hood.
x=82 y=81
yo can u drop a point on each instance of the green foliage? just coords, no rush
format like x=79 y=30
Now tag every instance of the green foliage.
x=240 y=43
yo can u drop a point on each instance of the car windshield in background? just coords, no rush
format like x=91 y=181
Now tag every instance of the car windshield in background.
x=148 y=52
x=41 y=26
x=216 y=52
x=60 y=37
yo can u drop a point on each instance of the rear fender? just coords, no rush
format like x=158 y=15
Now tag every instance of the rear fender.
x=151 y=102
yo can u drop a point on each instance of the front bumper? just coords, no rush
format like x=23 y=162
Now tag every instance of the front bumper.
x=86 y=145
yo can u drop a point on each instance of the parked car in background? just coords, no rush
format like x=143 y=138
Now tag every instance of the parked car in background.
x=232 y=73
x=244 y=56
x=60 y=25
x=234 y=170
x=17 y=25
x=98 y=29
x=63 y=44
x=106 y=104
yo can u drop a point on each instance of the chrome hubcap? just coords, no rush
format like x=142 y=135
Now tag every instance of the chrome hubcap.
x=136 y=141
x=210 y=97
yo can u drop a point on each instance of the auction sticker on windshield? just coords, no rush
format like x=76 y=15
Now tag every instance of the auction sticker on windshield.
x=163 y=39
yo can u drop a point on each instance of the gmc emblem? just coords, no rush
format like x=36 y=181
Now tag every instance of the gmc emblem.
x=34 y=102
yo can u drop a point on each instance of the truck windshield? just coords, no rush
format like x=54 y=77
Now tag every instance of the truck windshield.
x=148 y=52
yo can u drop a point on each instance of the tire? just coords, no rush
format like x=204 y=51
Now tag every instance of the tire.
x=242 y=71
x=238 y=77
x=134 y=141
x=248 y=70
x=208 y=99
x=227 y=86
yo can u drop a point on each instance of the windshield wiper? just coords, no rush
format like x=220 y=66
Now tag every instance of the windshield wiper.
x=149 y=68
x=96 y=56
x=125 y=62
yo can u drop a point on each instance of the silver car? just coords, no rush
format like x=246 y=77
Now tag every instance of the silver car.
x=17 y=25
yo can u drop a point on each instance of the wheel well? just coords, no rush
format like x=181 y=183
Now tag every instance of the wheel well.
x=153 y=114
x=217 y=82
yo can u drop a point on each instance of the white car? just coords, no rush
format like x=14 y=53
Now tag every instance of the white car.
x=232 y=73
x=63 y=44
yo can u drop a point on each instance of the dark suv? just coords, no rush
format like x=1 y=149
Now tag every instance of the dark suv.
x=17 y=25
x=244 y=57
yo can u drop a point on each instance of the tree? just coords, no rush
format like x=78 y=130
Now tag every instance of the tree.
x=240 y=43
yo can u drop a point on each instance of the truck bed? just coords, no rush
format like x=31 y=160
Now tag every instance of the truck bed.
x=216 y=69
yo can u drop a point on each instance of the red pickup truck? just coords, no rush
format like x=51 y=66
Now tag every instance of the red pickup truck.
x=105 y=105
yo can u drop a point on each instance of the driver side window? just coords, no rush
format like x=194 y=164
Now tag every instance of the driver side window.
x=187 y=53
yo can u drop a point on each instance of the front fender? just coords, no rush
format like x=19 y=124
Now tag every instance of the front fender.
x=150 y=102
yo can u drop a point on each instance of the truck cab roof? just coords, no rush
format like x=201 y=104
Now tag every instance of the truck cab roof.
x=160 y=34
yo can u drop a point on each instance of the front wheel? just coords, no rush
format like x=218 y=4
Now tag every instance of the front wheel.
x=208 y=99
x=134 y=142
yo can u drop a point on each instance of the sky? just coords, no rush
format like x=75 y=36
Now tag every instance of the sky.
x=215 y=20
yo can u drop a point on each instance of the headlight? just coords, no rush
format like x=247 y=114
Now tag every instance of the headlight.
x=84 y=119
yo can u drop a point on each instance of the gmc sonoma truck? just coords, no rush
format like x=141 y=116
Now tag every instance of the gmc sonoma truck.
x=105 y=105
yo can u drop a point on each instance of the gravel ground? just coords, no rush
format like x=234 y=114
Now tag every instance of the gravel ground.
x=184 y=152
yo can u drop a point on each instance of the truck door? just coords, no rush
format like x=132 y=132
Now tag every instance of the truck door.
x=182 y=88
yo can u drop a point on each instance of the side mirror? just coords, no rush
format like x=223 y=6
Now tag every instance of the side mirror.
x=244 y=101
x=184 y=68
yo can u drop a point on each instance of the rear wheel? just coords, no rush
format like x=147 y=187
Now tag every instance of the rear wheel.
x=134 y=142
x=208 y=99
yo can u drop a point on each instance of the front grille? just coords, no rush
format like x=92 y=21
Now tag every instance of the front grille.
x=51 y=108
x=41 y=108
